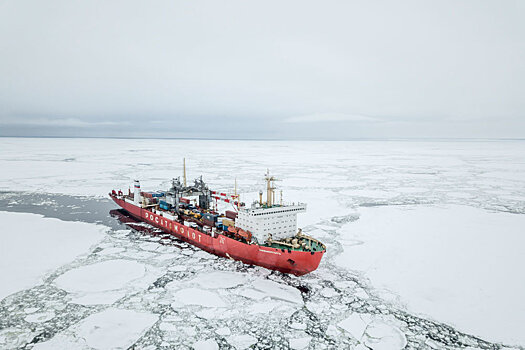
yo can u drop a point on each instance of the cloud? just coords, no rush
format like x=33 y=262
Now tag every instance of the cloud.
x=62 y=122
x=329 y=117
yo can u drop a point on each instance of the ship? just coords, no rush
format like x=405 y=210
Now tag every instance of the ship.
x=264 y=233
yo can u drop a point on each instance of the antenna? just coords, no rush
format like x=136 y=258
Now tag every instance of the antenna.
x=184 y=166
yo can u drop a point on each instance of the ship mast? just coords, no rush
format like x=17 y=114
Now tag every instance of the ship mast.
x=270 y=195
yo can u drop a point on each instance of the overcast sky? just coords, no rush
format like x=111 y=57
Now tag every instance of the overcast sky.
x=263 y=69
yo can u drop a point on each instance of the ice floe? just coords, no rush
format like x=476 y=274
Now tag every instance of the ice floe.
x=206 y=344
x=220 y=279
x=449 y=262
x=278 y=291
x=33 y=246
x=241 y=341
x=196 y=296
x=355 y=325
x=384 y=336
x=109 y=329
x=300 y=343
x=107 y=281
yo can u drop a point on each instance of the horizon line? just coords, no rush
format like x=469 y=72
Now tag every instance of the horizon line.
x=276 y=139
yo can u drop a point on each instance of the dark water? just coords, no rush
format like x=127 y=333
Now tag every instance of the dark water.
x=63 y=207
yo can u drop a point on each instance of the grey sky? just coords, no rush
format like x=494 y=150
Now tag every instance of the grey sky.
x=266 y=69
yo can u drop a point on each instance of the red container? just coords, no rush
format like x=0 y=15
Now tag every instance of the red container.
x=184 y=200
x=208 y=222
x=231 y=214
x=146 y=194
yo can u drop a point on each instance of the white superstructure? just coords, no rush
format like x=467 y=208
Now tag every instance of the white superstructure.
x=264 y=218
x=279 y=221
x=136 y=192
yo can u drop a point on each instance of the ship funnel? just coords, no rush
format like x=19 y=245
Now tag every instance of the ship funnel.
x=136 y=193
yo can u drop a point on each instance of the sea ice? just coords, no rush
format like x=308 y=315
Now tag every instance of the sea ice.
x=105 y=282
x=454 y=263
x=220 y=279
x=40 y=317
x=278 y=291
x=196 y=296
x=109 y=329
x=207 y=344
x=241 y=341
x=33 y=246
x=383 y=336
x=300 y=343
x=223 y=331
x=355 y=325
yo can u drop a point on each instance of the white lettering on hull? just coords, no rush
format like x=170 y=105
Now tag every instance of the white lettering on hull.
x=159 y=220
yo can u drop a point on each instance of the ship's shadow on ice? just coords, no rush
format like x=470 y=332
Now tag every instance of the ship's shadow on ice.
x=144 y=229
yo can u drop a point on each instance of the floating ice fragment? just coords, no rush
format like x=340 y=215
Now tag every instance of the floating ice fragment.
x=103 y=276
x=195 y=296
x=383 y=336
x=210 y=313
x=61 y=341
x=40 y=317
x=329 y=292
x=208 y=344
x=354 y=325
x=300 y=343
x=332 y=331
x=30 y=310
x=35 y=245
x=106 y=282
x=223 y=331
x=278 y=291
x=109 y=329
x=241 y=341
x=220 y=279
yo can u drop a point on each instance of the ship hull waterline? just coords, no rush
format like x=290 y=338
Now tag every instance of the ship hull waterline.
x=292 y=262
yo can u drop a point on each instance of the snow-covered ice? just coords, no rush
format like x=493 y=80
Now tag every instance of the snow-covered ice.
x=105 y=282
x=426 y=232
x=109 y=329
x=32 y=246
x=384 y=336
x=355 y=325
x=220 y=279
x=455 y=263
x=241 y=341
x=207 y=344
x=278 y=291
x=300 y=343
x=196 y=296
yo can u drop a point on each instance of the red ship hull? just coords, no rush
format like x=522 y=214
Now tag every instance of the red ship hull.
x=293 y=262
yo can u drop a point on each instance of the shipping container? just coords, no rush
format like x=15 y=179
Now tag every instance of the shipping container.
x=208 y=222
x=184 y=200
x=231 y=214
x=146 y=194
x=227 y=222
